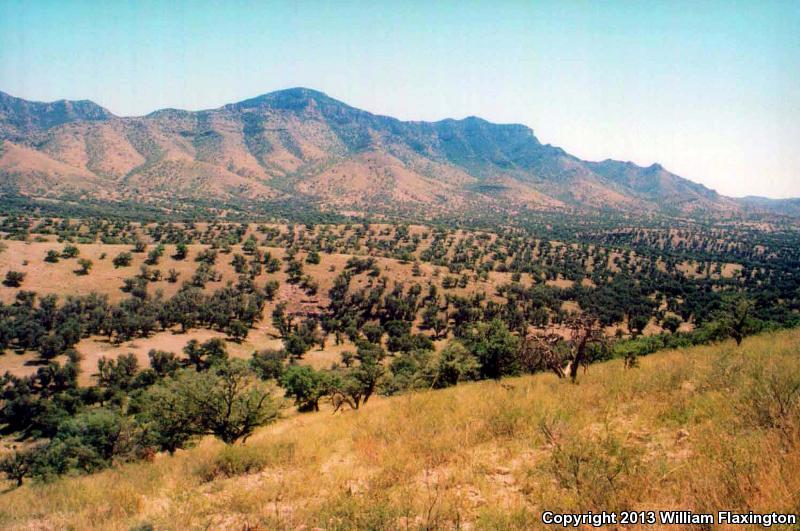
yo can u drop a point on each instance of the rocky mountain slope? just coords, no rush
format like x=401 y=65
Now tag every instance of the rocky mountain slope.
x=300 y=143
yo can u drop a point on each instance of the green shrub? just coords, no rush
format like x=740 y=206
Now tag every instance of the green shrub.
x=70 y=251
x=234 y=461
x=122 y=260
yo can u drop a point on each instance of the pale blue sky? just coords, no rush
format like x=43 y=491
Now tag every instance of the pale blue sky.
x=710 y=89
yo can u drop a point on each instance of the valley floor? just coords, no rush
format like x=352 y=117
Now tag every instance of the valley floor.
x=702 y=429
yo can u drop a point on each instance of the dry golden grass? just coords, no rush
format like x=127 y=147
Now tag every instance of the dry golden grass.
x=697 y=429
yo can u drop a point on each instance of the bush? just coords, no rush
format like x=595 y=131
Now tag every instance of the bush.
x=235 y=461
x=313 y=257
x=122 y=260
x=496 y=349
x=305 y=385
x=89 y=442
x=671 y=323
x=206 y=355
x=85 y=264
x=268 y=364
x=14 y=279
x=154 y=255
x=771 y=398
x=456 y=364
x=601 y=473
x=296 y=345
x=163 y=363
x=207 y=256
x=17 y=465
x=70 y=251
x=237 y=330
x=270 y=289
x=226 y=401
x=181 y=250
x=409 y=370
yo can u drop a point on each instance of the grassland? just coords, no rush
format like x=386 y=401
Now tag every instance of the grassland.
x=702 y=429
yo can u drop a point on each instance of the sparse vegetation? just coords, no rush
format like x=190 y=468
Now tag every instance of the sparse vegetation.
x=488 y=454
x=339 y=317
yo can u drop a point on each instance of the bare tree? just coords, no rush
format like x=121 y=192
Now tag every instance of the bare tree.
x=550 y=351
x=586 y=331
x=540 y=351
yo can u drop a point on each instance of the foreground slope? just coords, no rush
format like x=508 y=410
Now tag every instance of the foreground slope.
x=704 y=429
x=302 y=144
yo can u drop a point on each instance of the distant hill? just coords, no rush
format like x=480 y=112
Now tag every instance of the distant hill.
x=300 y=143
x=790 y=207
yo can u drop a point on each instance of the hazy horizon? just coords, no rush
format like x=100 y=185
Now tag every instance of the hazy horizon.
x=710 y=91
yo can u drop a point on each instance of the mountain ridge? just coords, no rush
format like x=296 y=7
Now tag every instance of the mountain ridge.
x=301 y=143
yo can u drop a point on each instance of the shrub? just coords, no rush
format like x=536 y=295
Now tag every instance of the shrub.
x=172 y=276
x=154 y=255
x=89 y=442
x=598 y=472
x=122 y=260
x=181 y=250
x=163 y=363
x=207 y=256
x=70 y=251
x=456 y=364
x=270 y=289
x=268 y=364
x=671 y=323
x=296 y=345
x=305 y=385
x=313 y=257
x=207 y=354
x=771 y=398
x=17 y=465
x=496 y=349
x=235 y=461
x=85 y=264
x=14 y=279
x=226 y=401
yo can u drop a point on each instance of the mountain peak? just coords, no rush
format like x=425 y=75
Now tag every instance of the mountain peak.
x=295 y=98
x=349 y=157
x=303 y=92
x=21 y=117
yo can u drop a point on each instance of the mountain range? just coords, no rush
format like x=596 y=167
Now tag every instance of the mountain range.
x=302 y=144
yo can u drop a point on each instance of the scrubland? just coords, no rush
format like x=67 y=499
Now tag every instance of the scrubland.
x=703 y=429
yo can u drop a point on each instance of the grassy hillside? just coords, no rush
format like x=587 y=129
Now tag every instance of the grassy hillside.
x=702 y=429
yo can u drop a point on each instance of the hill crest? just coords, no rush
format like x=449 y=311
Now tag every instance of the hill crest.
x=300 y=143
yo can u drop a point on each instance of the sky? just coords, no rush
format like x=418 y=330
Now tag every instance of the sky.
x=709 y=89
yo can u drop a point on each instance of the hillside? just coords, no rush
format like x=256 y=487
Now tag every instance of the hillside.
x=490 y=455
x=300 y=144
